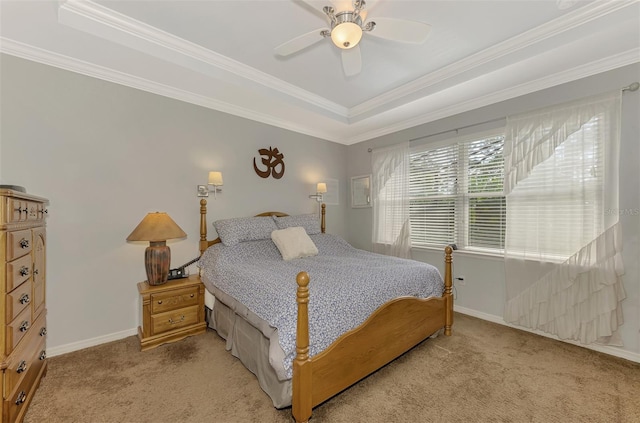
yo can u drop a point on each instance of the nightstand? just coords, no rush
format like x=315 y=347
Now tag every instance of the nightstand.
x=171 y=311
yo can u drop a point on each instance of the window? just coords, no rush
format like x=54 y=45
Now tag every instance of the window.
x=456 y=194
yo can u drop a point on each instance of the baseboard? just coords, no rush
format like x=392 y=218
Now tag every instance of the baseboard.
x=627 y=355
x=75 y=346
x=617 y=352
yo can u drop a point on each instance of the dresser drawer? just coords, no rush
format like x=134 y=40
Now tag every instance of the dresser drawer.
x=22 y=394
x=23 y=361
x=174 y=299
x=19 y=243
x=172 y=320
x=16 y=210
x=18 y=300
x=17 y=329
x=18 y=271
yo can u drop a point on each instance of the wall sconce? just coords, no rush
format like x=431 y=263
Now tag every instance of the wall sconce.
x=321 y=188
x=215 y=181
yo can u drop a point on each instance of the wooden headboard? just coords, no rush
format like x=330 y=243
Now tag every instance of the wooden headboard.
x=204 y=243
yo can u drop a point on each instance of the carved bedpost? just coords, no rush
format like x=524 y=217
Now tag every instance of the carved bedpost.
x=301 y=390
x=322 y=219
x=203 y=226
x=448 y=294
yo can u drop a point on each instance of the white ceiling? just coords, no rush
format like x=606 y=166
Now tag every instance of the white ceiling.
x=219 y=54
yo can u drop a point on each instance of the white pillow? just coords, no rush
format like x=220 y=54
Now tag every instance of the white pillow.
x=294 y=243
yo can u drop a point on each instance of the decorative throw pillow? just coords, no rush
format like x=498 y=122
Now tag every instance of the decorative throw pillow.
x=309 y=222
x=294 y=243
x=233 y=231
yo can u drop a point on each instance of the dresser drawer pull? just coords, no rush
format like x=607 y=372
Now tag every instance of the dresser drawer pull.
x=24 y=326
x=159 y=301
x=21 y=367
x=35 y=271
x=43 y=355
x=24 y=299
x=24 y=271
x=24 y=243
x=22 y=397
x=173 y=322
x=192 y=295
x=43 y=331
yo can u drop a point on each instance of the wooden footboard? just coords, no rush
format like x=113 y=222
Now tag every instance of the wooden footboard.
x=390 y=331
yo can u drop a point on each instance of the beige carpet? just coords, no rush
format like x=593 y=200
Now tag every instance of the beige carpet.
x=483 y=373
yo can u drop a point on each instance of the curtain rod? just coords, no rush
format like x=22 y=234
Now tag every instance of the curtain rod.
x=631 y=87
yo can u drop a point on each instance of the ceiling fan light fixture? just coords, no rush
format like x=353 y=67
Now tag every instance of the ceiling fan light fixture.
x=346 y=35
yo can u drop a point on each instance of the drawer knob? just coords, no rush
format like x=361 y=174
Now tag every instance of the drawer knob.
x=21 y=367
x=43 y=355
x=22 y=397
x=173 y=322
x=24 y=299
x=24 y=326
x=43 y=331
x=35 y=271
x=192 y=295
x=24 y=271
x=24 y=243
x=159 y=301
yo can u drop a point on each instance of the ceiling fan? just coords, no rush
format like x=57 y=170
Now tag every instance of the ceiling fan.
x=346 y=30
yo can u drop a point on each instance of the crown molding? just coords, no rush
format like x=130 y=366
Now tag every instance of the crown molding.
x=550 y=29
x=35 y=54
x=101 y=21
x=613 y=62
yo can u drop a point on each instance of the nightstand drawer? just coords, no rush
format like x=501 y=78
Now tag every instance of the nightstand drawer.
x=173 y=300
x=172 y=320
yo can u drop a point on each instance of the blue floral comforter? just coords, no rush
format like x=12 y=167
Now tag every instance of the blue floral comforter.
x=346 y=286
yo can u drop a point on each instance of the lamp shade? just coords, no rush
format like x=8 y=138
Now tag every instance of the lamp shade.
x=156 y=227
x=321 y=188
x=215 y=179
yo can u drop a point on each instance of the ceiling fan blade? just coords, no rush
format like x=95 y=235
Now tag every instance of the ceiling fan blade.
x=351 y=61
x=299 y=43
x=401 y=30
x=311 y=7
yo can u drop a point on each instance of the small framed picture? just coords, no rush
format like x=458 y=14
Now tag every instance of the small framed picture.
x=361 y=191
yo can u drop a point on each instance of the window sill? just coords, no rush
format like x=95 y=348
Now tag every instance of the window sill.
x=463 y=252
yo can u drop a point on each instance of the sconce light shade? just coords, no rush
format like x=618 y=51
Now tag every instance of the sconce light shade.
x=157 y=228
x=215 y=179
x=321 y=188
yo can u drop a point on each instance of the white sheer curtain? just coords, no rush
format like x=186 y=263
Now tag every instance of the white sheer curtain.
x=390 y=198
x=563 y=244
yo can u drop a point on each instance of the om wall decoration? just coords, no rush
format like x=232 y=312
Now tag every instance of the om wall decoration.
x=272 y=159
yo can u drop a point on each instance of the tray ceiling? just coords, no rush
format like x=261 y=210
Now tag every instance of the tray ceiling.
x=219 y=54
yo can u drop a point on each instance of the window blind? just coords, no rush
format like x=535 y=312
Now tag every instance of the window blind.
x=457 y=194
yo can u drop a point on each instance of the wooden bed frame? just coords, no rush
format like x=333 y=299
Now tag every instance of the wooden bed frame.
x=363 y=350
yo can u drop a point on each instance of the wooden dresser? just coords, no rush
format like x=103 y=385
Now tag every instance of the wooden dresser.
x=22 y=286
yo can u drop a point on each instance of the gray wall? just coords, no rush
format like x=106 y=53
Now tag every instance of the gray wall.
x=483 y=292
x=105 y=155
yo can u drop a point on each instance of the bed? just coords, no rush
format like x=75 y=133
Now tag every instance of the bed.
x=300 y=361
